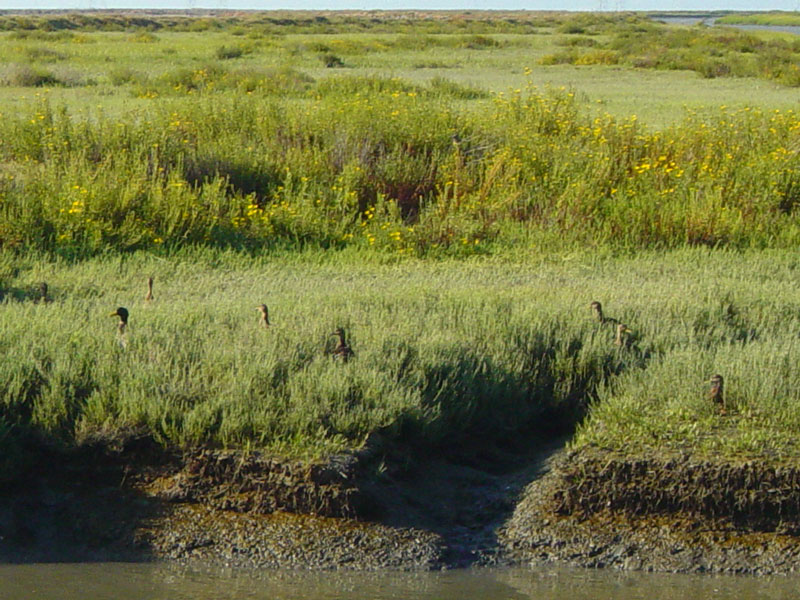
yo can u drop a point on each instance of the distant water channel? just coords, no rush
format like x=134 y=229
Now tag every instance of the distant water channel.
x=118 y=581
x=674 y=20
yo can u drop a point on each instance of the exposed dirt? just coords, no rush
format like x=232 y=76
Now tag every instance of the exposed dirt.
x=359 y=511
x=463 y=499
x=595 y=509
x=371 y=510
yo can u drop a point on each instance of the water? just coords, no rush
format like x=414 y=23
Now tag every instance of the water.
x=118 y=581
x=781 y=28
x=688 y=21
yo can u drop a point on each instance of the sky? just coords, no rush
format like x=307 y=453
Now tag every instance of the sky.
x=574 y=5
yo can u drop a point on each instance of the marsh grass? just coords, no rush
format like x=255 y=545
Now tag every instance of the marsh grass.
x=445 y=352
x=262 y=177
x=434 y=364
x=393 y=165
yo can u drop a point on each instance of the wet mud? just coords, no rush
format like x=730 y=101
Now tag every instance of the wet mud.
x=597 y=509
x=370 y=510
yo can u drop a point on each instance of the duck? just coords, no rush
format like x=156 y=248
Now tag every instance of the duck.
x=264 y=315
x=622 y=339
x=148 y=297
x=598 y=313
x=716 y=393
x=43 y=298
x=342 y=351
x=122 y=313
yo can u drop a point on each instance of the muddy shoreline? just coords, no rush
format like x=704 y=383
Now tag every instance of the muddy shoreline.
x=587 y=508
x=600 y=510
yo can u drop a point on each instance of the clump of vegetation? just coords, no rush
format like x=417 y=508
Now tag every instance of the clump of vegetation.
x=124 y=75
x=782 y=18
x=24 y=75
x=143 y=37
x=237 y=51
x=43 y=54
x=215 y=77
x=710 y=52
x=331 y=61
x=385 y=163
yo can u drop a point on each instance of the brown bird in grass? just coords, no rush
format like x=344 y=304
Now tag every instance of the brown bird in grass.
x=148 y=297
x=716 y=393
x=598 y=314
x=622 y=339
x=342 y=351
x=122 y=313
x=43 y=299
x=262 y=308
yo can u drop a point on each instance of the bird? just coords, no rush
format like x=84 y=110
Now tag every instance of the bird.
x=122 y=313
x=622 y=338
x=598 y=313
x=715 y=394
x=342 y=351
x=43 y=293
x=264 y=315
x=148 y=297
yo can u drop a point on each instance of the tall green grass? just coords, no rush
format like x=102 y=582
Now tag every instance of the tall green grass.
x=376 y=162
x=440 y=355
x=445 y=353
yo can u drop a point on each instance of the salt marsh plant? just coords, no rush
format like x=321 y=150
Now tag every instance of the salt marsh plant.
x=445 y=354
x=394 y=165
x=262 y=178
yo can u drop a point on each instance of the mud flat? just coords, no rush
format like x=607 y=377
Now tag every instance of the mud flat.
x=597 y=509
x=222 y=507
x=386 y=506
x=587 y=508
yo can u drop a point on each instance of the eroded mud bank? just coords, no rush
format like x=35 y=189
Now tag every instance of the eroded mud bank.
x=588 y=508
x=597 y=509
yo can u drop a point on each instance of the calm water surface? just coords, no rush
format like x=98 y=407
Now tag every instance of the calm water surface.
x=153 y=582
x=710 y=21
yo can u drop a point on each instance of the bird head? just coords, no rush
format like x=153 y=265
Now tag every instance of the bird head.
x=122 y=313
x=262 y=308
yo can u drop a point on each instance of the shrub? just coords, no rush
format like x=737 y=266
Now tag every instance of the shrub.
x=43 y=54
x=28 y=76
x=143 y=37
x=228 y=52
x=597 y=57
x=123 y=75
x=331 y=61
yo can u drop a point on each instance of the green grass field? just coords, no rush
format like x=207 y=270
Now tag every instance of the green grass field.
x=445 y=351
x=453 y=191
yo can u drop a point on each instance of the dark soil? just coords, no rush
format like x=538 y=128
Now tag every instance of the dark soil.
x=389 y=508
x=368 y=510
x=594 y=509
